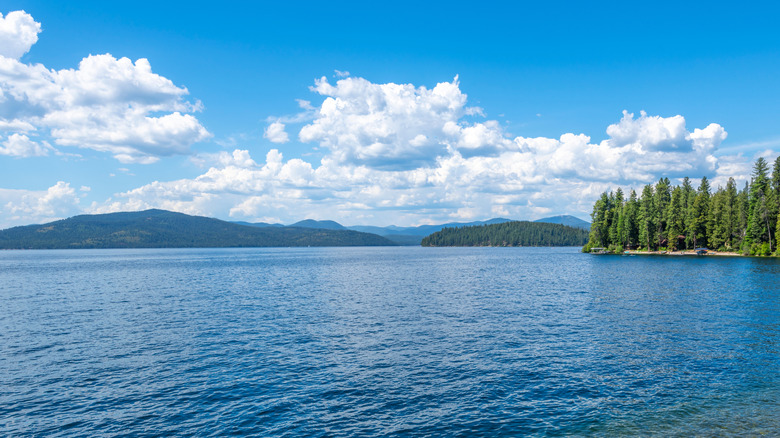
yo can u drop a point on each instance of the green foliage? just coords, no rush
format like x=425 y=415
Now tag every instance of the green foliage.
x=760 y=205
x=165 y=229
x=681 y=217
x=520 y=233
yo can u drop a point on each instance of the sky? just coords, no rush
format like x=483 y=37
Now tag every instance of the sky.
x=402 y=113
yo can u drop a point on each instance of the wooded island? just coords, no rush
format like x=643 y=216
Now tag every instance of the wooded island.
x=515 y=233
x=673 y=218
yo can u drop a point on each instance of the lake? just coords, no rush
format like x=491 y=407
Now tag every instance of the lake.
x=401 y=341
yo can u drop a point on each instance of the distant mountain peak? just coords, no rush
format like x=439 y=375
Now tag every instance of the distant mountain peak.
x=311 y=223
x=566 y=219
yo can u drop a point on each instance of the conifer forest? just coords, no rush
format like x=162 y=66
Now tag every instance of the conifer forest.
x=664 y=217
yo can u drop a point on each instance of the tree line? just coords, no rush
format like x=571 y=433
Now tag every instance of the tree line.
x=666 y=217
x=516 y=233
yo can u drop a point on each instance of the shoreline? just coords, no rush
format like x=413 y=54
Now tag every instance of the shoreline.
x=686 y=253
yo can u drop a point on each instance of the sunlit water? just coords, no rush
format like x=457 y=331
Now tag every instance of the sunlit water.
x=387 y=341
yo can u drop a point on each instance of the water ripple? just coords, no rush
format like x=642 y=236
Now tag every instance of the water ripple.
x=386 y=341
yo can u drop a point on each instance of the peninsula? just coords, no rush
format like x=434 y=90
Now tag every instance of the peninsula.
x=681 y=220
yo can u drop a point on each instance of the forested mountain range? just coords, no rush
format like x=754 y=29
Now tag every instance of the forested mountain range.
x=414 y=235
x=516 y=233
x=666 y=217
x=165 y=229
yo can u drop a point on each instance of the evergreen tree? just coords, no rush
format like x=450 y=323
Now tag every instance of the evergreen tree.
x=759 y=207
x=774 y=209
x=662 y=199
x=647 y=217
x=632 y=220
x=743 y=205
x=675 y=218
x=683 y=217
x=718 y=224
x=700 y=211
x=689 y=196
x=617 y=227
x=731 y=215
x=599 y=219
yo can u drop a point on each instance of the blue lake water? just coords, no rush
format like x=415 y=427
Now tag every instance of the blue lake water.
x=387 y=341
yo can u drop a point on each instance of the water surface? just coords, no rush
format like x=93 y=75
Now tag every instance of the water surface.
x=386 y=341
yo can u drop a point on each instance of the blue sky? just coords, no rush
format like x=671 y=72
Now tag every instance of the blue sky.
x=533 y=125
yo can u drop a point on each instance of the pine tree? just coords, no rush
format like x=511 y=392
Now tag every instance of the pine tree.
x=662 y=199
x=599 y=229
x=675 y=219
x=617 y=227
x=647 y=215
x=689 y=196
x=743 y=207
x=759 y=209
x=700 y=211
x=731 y=214
x=717 y=225
x=632 y=220
x=774 y=200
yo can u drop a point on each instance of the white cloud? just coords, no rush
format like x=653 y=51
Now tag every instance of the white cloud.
x=404 y=154
x=18 y=32
x=24 y=207
x=407 y=155
x=392 y=126
x=275 y=133
x=238 y=158
x=107 y=104
x=652 y=133
x=20 y=146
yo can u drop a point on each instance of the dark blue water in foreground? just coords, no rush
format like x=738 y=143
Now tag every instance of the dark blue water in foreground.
x=387 y=341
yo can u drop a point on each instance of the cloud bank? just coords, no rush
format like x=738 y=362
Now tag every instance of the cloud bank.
x=39 y=206
x=387 y=152
x=107 y=104
x=396 y=153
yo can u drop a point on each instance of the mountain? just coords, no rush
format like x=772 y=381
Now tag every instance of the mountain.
x=422 y=230
x=406 y=236
x=322 y=225
x=519 y=233
x=166 y=229
x=257 y=224
x=414 y=235
x=567 y=220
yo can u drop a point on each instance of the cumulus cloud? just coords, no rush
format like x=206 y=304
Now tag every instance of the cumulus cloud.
x=106 y=104
x=404 y=154
x=24 y=207
x=409 y=155
x=239 y=158
x=637 y=151
x=275 y=133
x=20 y=146
x=393 y=126
x=18 y=32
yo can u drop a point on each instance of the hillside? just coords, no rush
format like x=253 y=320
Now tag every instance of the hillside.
x=520 y=233
x=567 y=220
x=323 y=225
x=165 y=229
x=256 y=224
x=422 y=230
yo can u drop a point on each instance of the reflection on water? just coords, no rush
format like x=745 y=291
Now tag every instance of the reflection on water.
x=374 y=341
